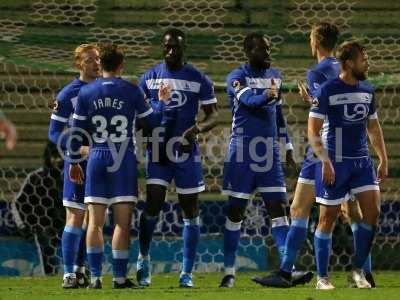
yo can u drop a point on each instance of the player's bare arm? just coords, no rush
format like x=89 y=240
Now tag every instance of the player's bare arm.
x=8 y=132
x=208 y=123
x=375 y=135
x=314 y=137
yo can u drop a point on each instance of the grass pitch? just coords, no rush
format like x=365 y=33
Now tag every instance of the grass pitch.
x=164 y=287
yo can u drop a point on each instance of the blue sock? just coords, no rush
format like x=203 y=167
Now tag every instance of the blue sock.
x=294 y=241
x=120 y=264
x=70 y=245
x=147 y=225
x=364 y=235
x=191 y=236
x=323 y=247
x=279 y=231
x=367 y=267
x=231 y=243
x=95 y=259
x=81 y=255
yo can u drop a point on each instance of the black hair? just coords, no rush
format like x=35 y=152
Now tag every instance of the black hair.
x=249 y=39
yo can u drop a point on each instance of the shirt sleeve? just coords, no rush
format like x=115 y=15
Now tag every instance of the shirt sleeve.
x=314 y=81
x=320 y=105
x=62 y=109
x=145 y=111
x=207 y=95
x=143 y=86
x=372 y=113
x=238 y=89
x=156 y=105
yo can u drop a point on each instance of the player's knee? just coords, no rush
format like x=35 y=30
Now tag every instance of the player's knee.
x=190 y=211
x=155 y=199
x=123 y=229
x=327 y=220
x=372 y=217
x=298 y=211
x=236 y=213
x=276 y=208
x=236 y=209
x=95 y=228
x=75 y=217
x=153 y=208
x=190 y=205
x=354 y=215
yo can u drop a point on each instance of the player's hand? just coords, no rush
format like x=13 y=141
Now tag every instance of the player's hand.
x=9 y=133
x=303 y=92
x=188 y=138
x=290 y=161
x=382 y=171
x=164 y=93
x=84 y=150
x=328 y=173
x=272 y=93
x=76 y=173
x=191 y=133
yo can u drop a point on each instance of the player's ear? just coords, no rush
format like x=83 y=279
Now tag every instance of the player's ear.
x=317 y=45
x=350 y=64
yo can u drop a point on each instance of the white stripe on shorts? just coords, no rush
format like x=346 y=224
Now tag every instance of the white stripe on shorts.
x=331 y=202
x=360 y=189
x=306 y=181
x=71 y=204
x=110 y=201
x=236 y=194
x=190 y=190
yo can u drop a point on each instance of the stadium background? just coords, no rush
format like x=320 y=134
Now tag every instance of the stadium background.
x=36 y=43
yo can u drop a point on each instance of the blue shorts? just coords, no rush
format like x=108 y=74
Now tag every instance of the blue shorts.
x=307 y=172
x=108 y=186
x=73 y=194
x=187 y=174
x=244 y=176
x=352 y=176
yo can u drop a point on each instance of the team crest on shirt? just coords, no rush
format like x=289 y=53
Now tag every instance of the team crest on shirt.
x=178 y=99
x=315 y=102
x=355 y=113
x=236 y=85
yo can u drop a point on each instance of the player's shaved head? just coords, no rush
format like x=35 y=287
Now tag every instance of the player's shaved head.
x=111 y=57
x=173 y=45
x=326 y=34
x=175 y=33
x=251 y=39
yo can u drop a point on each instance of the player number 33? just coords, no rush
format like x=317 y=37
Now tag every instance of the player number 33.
x=101 y=135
